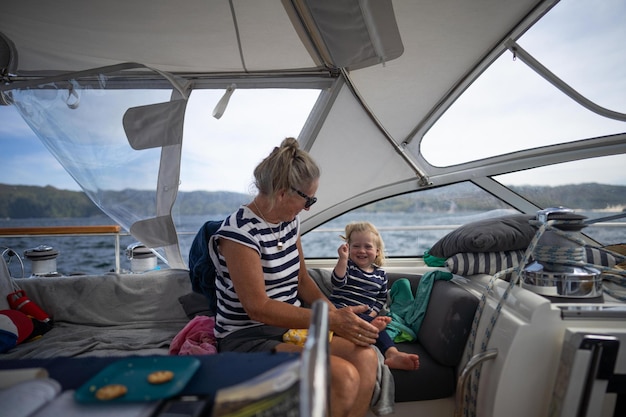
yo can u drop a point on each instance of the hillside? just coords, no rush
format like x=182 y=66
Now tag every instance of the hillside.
x=18 y=201
x=22 y=202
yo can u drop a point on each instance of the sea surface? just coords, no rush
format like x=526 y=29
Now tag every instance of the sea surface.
x=403 y=235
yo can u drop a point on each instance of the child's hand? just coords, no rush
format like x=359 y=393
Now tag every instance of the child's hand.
x=343 y=251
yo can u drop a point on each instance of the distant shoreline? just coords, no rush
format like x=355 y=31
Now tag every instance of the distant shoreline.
x=23 y=202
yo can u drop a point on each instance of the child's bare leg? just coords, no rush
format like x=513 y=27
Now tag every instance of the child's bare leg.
x=400 y=360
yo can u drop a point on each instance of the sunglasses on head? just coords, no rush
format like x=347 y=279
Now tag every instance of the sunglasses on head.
x=309 y=200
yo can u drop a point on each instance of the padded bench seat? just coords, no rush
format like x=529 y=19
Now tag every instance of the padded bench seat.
x=440 y=342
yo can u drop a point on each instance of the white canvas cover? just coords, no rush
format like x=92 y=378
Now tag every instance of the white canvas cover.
x=387 y=70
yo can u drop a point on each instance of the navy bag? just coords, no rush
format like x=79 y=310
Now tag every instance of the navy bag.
x=201 y=269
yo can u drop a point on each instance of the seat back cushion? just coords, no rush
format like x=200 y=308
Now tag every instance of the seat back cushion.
x=447 y=322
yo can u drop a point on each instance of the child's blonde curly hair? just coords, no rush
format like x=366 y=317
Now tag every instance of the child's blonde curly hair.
x=378 y=240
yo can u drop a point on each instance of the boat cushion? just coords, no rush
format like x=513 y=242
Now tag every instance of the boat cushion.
x=431 y=381
x=604 y=256
x=474 y=263
x=106 y=315
x=440 y=342
x=322 y=278
x=504 y=233
x=195 y=304
x=110 y=299
x=447 y=322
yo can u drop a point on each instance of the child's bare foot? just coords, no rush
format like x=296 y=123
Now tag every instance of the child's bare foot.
x=381 y=322
x=395 y=359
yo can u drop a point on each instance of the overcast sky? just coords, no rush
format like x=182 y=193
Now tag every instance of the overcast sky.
x=25 y=161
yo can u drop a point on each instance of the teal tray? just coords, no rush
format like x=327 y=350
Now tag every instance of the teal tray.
x=133 y=373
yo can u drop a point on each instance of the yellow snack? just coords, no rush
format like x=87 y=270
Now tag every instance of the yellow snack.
x=109 y=392
x=298 y=336
x=160 y=377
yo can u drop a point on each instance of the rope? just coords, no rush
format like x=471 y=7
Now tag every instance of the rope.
x=575 y=256
x=559 y=255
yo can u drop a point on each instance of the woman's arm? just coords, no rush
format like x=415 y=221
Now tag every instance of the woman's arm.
x=308 y=290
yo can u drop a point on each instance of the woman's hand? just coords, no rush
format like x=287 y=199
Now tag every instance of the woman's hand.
x=346 y=323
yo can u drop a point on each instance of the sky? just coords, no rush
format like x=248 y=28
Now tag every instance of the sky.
x=26 y=161
x=510 y=107
x=508 y=98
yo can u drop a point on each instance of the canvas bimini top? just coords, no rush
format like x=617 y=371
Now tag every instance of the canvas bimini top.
x=111 y=82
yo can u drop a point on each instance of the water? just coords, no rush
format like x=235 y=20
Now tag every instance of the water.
x=84 y=254
x=96 y=254
x=77 y=255
x=411 y=241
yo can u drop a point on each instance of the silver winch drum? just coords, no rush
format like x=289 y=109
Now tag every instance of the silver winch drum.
x=562 y=281
x=558 y=280
x=141 y=258
x=43 y=260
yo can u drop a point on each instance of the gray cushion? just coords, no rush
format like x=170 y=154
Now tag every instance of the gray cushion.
x=430 y=382
x=440 y=343
x=195 y=304
x=322 y=278
x=505 y=233
x=111 y=299
x=447 y=322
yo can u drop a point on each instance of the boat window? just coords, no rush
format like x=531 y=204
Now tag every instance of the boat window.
x=254 y=122
x=511 y=108
x=600 y=195
x=219 y=155
x=411 y=223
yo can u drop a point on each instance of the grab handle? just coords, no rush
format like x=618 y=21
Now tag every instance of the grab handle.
x=476 y=360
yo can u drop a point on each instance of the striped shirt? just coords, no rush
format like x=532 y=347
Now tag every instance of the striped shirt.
x=358 y=287
x=280 y=266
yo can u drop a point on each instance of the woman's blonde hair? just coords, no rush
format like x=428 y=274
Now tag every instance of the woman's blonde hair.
x=287 y=167
x=356 y=227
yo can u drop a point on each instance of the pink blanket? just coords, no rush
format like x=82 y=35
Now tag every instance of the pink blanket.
x=196 y=338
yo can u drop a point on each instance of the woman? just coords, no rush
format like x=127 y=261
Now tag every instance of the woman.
x=262 y=279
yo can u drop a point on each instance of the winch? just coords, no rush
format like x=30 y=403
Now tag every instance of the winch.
x=141 y=258
x=43 y=260
x=558 y=268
